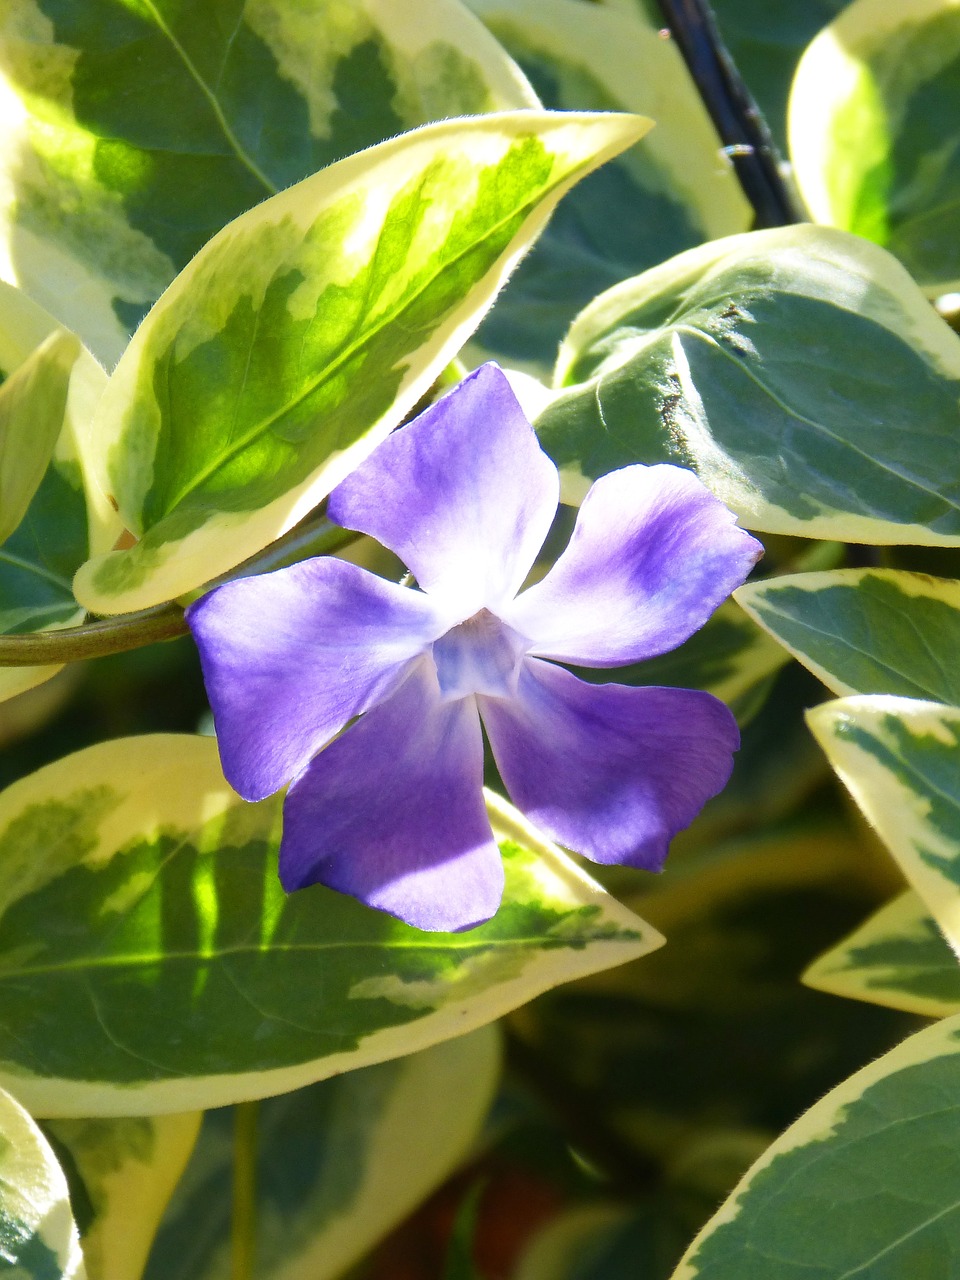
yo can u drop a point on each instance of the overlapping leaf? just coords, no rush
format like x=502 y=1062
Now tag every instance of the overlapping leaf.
x=899 y=759
x=338 y=1164
x=866 y=630
x=898 y=958
x=49 y=393
x=799 y=371
x=38 y=1235
x=135 y=130
x=872 y=131
x=866 y=1183
x=151 y=962
x=127 y=1168
x=306 y=329
x=674 y=191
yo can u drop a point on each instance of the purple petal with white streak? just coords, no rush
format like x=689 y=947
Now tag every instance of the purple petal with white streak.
x=609 y=771
x=652 y=555
x=464 y=495
x=290 y=657
x=392 y=813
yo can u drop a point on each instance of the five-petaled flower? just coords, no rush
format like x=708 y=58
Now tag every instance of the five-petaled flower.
x=391 y=810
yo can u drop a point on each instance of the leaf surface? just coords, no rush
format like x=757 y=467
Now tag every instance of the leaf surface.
x=143 y=918
x=800 y=372
x=307 y=329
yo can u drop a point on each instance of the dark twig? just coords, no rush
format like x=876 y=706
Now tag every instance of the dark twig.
x=735 y=115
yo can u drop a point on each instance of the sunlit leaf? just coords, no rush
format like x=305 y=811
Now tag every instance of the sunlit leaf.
x=873 y=136
x=800 y=372
x=128 y=1167
x=38 y=1236
x=153 y=934
x=134 y=131
x=304 y=332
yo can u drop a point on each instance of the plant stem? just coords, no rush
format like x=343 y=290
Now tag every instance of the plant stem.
x=243 y=1242
x=735 y=115
x=166 y=621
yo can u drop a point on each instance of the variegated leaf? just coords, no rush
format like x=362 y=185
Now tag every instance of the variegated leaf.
x=800 y=372
x=133 y=132
x=899 y=759
x=304 y=332
x=898 y=958
x=865 y=1184
x=142 y=918
x=866 y=630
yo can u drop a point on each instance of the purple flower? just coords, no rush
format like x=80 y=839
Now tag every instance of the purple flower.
x=392 y=810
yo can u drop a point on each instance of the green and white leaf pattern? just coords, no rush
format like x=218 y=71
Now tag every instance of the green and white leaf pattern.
x=132 y=135
x=129 y=1167
x=866 y=630
x=38 y=1236
x=68 y=517
x=153 y=933
x=800 y=372
x=338 y=1164
x=675 y=190
x=898 y=958
x=898 y=758
x=865 y=1184
x=303 y=332
x=872 y=131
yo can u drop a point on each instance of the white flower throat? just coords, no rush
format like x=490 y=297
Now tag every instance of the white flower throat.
x=480 y=655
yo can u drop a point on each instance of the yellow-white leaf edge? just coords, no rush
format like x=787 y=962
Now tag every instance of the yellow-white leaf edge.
x=832 y=70
x=34 y=1199
x=580 y=140
x=174 y=781
x=836 y=971
x=891 y=805
x=824 y=1118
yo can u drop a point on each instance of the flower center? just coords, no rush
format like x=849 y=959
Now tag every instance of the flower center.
x=481 y=655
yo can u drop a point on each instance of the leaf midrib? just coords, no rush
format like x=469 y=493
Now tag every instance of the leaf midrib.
x=144 y=959
x=246 y=160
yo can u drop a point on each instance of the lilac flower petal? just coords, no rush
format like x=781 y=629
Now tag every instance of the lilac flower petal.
x=288 y=658
x=464 y=495
x=610 y=771
x=652 y=555
x=392 y=813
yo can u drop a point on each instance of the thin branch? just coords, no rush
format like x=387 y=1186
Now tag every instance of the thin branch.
x=166 y=621
x=735 y=115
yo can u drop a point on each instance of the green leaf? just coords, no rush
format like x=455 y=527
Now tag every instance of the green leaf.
x=866 y=630
x=799 y=372
x=144 y=920
x=339 y=1164
x=128 y=1168
x=865 y=1184
x=67 y=517
x=898 y=958
x=674 y=191
x=898 y=758
x=305 y=331
x=32 y=404
x=132 y=135
x=38 y=1236
x=872 y=136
